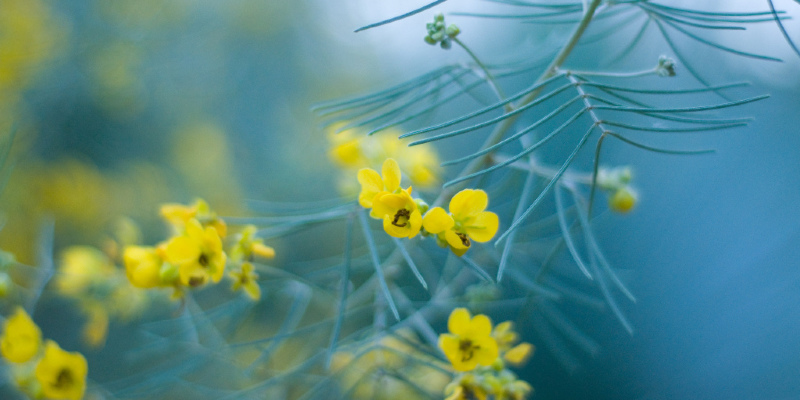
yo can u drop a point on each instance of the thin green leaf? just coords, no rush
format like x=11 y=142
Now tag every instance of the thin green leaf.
x=549 y=186
x=399 y=17
x=337 y=326
x=496 y=106
x=410 y=262
x=658 y=150
x=516 y=135
x=362 y=218
x=565 y=232
x=477 y=268
x=521 y=154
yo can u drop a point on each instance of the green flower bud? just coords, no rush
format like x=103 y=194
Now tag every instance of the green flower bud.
x=452 y=31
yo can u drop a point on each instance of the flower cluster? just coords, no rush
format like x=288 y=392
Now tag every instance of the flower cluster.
x=392 y=367
x=402 y=214
x=90 y=277
x=352 y=149
x=479 y=354
x=622 y=197
x=438 y=33
x=194 y=255
x=41 y=371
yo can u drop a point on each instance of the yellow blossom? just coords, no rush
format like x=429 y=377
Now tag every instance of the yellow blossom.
x=178 y=215
x=198 y=254
x=248 y=245
x=623 y=200
x=504 y=335
x=465 y=387
x=400 y=214
x=81 y=267
x=519 y=354
x=247 y=280
x=373 y=184
x=62 y=374
x=143 y=266
x=467 y=221
x=96 y=328
x=21 y=337
x=469 y=342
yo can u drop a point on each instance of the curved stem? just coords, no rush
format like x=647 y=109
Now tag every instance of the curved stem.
x=500 y=130
x=489 y=77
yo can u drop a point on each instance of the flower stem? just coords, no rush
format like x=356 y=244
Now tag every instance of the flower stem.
x=503 y=127
x=489 y=77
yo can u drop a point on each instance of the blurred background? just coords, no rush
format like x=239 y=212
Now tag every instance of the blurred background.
x=120 y=106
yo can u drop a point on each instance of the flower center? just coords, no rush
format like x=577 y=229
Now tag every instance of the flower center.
x=196 y=281
x=467 y=349
x=401 y=218
x=464 y=238
x=64 y=379
x=203 y=260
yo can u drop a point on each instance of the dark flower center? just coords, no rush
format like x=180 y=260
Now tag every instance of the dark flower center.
x=467 y=349
x=464 y=239
x=203 y=260
x=64 y=379
x=401 y=218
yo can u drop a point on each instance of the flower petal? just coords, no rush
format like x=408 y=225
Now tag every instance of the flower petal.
x=391 y=175
x=437 y=220
x=459 y=321
x=455 y=241
x=483 y=227
x=467 y=203
x=480 y=325
x=182 y=249
x=485 y=351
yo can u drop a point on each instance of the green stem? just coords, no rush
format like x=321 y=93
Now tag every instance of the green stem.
x=489 y=77
x=500 y=130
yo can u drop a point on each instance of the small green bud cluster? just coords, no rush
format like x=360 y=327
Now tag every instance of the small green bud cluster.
x=622 y=197
x=666 y=67
x=438 y=33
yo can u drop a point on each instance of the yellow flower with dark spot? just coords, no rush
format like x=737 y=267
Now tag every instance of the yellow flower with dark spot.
x=247 y=280
x=62 y=374
x=470 y=342
x=400 y=214
x=467 y=221
x=143 y=266
x=373 y=184
x=21 y=337
x=198 y=254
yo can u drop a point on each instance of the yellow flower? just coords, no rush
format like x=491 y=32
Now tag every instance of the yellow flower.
x=470 y=342
x=248 y=245
x=504 y=335
x=178 y=215
x=373 y=184
x=62 y=374
x=247 y=280
x=519 y=354
x=142 y=266
x=400 y=214
x=81 y=267
x=623 y=200
x=198 y=254
x=465 y=387
x=467 y=221
x=96 y=328
x=21 y=337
